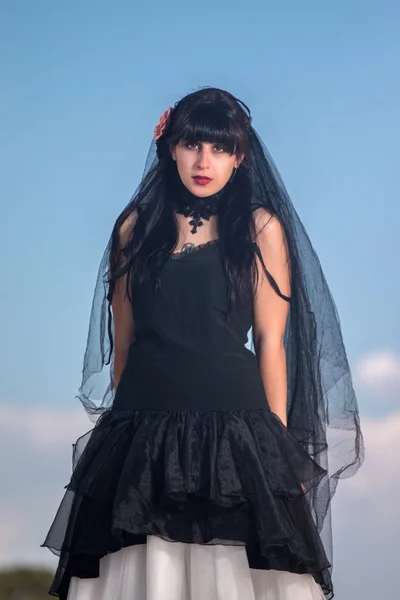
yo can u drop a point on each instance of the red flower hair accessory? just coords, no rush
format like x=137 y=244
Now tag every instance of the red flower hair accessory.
x=162 y=123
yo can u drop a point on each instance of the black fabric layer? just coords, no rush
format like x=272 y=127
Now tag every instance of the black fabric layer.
x=203 y=477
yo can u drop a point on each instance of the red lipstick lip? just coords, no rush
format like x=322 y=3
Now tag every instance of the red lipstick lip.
x=202 y=178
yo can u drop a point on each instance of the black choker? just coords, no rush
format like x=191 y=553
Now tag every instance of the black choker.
x=190 y=205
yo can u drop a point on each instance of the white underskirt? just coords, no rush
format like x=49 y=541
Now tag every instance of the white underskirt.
x=161 y=570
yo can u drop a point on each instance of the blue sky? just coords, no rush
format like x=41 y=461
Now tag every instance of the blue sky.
x=82 y=87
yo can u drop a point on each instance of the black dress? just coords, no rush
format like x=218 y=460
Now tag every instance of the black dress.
x=190 y=451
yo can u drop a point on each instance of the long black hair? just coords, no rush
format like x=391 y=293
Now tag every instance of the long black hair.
x=207 y=115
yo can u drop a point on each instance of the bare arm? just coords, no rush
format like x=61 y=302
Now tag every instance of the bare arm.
x=124 y=326
x=271 y=311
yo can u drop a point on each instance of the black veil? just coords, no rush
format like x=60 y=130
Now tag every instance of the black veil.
x=322 y=408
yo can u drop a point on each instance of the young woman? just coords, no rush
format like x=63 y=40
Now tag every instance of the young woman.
x=216 y=367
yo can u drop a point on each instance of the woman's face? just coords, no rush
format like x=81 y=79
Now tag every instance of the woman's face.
x=204 y=160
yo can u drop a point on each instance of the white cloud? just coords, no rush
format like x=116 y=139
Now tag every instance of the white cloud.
x=366 y=521
x=11 y=532
x=379 y=368
x=42 y=426
x=35 y=465
x=377 y=484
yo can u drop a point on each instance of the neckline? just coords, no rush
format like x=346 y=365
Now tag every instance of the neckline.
x=186 y=199
x=194 y=250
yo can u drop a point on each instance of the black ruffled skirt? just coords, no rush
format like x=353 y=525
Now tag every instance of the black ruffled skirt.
x=205 y=477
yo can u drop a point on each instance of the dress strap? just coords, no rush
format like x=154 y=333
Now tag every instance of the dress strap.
x=269 y=276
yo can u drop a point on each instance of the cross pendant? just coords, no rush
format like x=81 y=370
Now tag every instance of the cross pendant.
x=195 y=222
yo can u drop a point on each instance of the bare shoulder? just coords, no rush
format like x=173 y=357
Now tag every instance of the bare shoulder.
x=266 y=223
x=127 y=226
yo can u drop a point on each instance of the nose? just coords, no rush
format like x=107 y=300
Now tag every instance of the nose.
x=203 y=158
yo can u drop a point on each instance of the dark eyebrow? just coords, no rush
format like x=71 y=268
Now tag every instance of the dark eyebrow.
x=192 y=141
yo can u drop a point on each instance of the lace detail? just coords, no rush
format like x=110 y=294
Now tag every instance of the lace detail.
x=176 y=255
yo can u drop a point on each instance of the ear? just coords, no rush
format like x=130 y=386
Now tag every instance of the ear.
x=239 y=160
x=172 y=150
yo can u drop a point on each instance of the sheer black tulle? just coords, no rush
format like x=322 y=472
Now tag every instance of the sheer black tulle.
x=323 y=414
x=189 y=476
x=255 y=469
